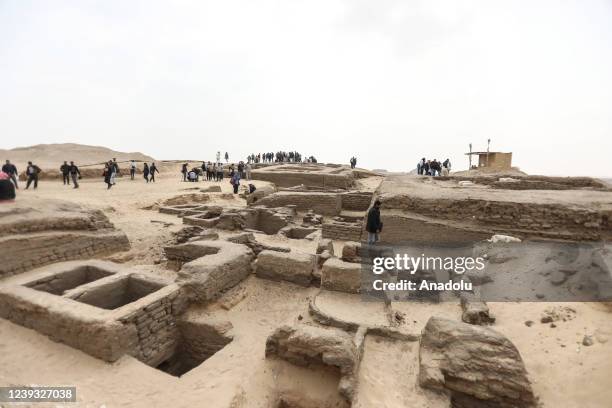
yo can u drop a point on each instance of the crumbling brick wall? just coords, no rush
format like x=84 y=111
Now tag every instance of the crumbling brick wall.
x=537 y=219
x=24 y=252
x=320 y=203
x=344 y=231
x=156 y=328
x=356 y=201
x=290 y=179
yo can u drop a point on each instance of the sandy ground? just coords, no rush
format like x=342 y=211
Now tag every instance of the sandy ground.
x=564 y=373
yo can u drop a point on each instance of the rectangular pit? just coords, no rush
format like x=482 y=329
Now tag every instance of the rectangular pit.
x=199 y=340
x=59 y=283
x=117 y=293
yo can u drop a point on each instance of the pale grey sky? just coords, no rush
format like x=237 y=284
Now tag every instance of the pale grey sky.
x=388 y=81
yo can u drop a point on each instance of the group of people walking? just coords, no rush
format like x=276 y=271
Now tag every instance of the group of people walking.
x=111 y=171
x=433 y=167
x=70 y=171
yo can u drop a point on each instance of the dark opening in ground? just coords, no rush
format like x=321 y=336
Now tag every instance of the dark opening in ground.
x=61 y=282
x=118 y=292
x=198 y=342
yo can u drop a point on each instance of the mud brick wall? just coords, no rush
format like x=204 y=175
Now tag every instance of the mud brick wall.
x=157 y=333
x=356 y=201
x=24 y=252
x=267 y=221
x=550 y=220
x=290 y=179
x=320 y=203
x=399 y=228
x=533 y=182
x=80 y=326
x=343 y=231
x=95 y=220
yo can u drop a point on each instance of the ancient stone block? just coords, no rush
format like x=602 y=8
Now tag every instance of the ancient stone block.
x=293 y=267
x=220 y=266
x=478 y=366
x=309 y=345
x=341 y=276
x=325 y=245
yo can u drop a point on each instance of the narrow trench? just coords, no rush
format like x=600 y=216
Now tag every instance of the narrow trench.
x=197 y=343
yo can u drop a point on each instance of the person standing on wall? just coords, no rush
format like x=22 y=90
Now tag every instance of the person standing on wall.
x=10 y=169
x=75 y=174
x=65 y=170
x=226 y=157
x=374 y=224
x=32 y=173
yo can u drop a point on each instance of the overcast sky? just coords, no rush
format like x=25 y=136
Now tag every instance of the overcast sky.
x=387 y=81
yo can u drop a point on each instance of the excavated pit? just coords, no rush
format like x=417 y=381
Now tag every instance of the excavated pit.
x=59 y=283
x=198 y=339
x=118 y=293
x=188 y=355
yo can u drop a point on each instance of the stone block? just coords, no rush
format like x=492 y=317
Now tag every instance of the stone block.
x=295 y=267
x=341 y=276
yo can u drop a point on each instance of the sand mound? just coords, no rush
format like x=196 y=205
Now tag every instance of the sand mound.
x=51 y=156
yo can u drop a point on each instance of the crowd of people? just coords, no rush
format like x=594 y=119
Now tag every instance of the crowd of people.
x=433 y=167
x=280 y=157
x=216 y=172
x=112 y=171
x=210 y=171
x=207 y=171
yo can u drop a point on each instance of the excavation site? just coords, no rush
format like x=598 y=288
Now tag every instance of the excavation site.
x=305 y=204
x=187 y=295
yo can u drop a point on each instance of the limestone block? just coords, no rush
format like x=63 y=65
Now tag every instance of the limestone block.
x=452 y=360
x=341 y=276
x=293 y=267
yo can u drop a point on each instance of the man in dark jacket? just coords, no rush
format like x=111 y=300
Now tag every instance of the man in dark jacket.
x=75 y=174
x=184 y=171
x=32 y=172
x=10 y=169
x=373 y=224
x=65 y=169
